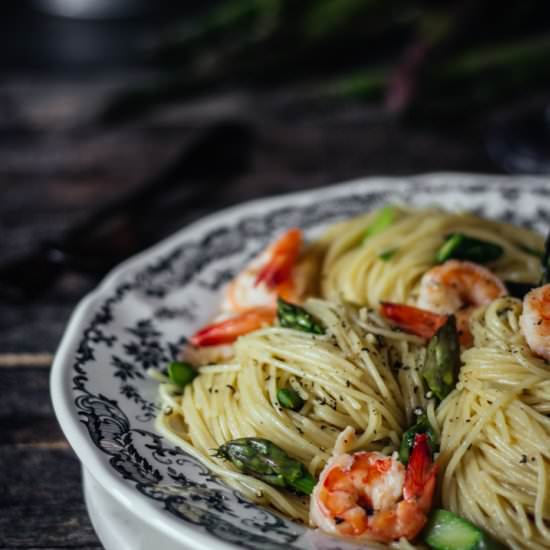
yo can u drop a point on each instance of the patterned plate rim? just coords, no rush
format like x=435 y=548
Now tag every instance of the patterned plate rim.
x=61 y=388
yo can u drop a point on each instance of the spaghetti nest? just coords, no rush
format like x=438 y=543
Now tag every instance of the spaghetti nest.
x=360 y=373
x=389 y=265
x=495 y=440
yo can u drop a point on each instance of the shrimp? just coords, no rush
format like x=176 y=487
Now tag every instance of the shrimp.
x=373 y=496
x=251 y=297
x=535 y=320
x=228 y=330
x=267 y=276
x=457 y=287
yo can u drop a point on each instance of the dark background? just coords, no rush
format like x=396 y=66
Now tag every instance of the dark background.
x=63 y=154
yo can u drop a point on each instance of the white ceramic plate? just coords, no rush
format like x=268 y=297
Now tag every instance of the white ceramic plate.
x=140 y=316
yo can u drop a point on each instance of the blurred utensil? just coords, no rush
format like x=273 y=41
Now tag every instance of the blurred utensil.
x=120 y=228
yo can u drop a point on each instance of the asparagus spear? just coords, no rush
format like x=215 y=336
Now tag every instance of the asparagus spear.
x=447 y=531
x=440 y=370
x=289 y=399
x=407 y=441
x=382 y=221
x=264 y=460
x=181 y=373
x=297 y=318
x=462 y=247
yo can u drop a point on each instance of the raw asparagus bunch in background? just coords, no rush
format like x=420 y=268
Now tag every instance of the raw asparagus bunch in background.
x=415 y=56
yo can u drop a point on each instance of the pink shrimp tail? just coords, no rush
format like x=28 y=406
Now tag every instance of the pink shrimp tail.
x=421 y=474
x=284 y=254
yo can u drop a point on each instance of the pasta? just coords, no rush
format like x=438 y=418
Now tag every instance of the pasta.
x=496 y=432
x=365 y=372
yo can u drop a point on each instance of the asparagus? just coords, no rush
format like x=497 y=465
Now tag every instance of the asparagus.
x=257 y=42
x=447 y=531
x=407 y=441
x=289 y=399
x=440 y=370
x=382 y=221
x=297 y=318
x=462 y=247
x=387 y=254
x=264 y=460
x=180 y=373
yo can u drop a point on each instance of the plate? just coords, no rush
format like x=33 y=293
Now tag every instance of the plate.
x=139 y=318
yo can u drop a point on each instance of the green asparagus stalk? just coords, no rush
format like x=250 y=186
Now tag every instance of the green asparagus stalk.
x=180 y=373
x=388 y=254
x=297 y=318
x=447 y=531
x=384 y=218
x=289 y=399
x=462 y=247
x=264 y=460
x=407 y=441
x=440 y=370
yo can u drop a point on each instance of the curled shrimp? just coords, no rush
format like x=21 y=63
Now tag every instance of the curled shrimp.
x=535 y=320
x=458 y=287
x=251 y=297
x=267 y=276
x=373 y=496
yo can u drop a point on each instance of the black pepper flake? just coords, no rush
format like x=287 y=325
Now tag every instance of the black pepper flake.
x=299 y=430
x=267 y=378
x=348 y=383
x=230 y=387
x=523 y=459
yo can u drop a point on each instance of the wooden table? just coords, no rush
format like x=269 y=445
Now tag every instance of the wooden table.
x=55 y=165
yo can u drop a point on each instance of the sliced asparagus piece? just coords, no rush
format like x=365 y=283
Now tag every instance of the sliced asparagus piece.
x=181 y=373
x=447 y=531
x=297 y=318
x=384 y=218
x=289 y=399
x=264 y=460
x=459 y=246
x=440 y=370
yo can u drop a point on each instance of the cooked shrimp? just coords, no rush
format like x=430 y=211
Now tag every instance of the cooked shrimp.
x=228 y=330
x=251 y=298
x=535 y=320
x=457 y=287
x=267 y=276
x=373 y=496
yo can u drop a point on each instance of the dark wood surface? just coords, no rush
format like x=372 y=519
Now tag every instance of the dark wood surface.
x=56 y=165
